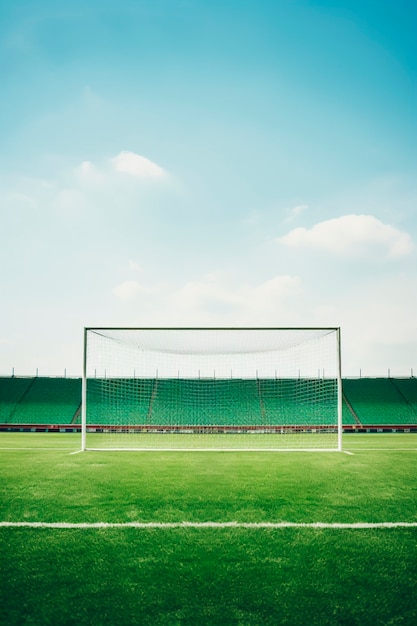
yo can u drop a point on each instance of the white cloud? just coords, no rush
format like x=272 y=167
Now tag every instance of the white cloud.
x=137 y=165
x=126 y=162
x=273 y=291
x=215 y=299
x=351 y=234
x=203 y=292
x=70 y=203
x=134 y=267
x=89 y=172
x=379 y=328
x=128 y=290
x=295 y=212
x=252 y=219
x=22 y=199
x=211 y=300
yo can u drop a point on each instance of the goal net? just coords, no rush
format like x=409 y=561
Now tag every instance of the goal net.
x=211 y=388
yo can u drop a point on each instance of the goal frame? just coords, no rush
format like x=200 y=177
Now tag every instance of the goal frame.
x=335 y=329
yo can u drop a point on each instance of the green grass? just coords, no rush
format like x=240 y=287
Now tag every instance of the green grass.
x=206 y=576
x=216 y=441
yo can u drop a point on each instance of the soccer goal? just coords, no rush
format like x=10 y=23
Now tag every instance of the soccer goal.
x=212 y=389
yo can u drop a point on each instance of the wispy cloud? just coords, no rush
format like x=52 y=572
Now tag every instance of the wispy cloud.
x=351 y=234
x=214 y=298
x=128 y=290
x=134 y=267
x=70 y=203
x=22 y=198
x=89 y=172
x=137 y=165
x=295 y=211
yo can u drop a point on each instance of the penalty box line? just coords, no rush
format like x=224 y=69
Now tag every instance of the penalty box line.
x=202 y=525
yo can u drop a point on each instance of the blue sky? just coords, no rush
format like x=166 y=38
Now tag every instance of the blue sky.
x=207 y=162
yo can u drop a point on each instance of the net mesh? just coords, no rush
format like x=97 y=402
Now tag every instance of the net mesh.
x=212 y=388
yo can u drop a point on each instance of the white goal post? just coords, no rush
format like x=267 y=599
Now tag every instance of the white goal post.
x=212 y=389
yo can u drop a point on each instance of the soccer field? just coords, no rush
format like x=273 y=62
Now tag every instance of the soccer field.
x=233 y=538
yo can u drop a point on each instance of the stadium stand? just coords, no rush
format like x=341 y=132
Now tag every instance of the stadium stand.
x=45 y=401
x=287 y=401
x=131 y=398
x=380 y=401
x=12 y=390
x=39 y=400
x=349 y=417
x=207 y=402
x=408 y=390
x=216 y=401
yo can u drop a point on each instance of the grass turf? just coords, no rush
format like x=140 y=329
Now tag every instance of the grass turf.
x=207 y=576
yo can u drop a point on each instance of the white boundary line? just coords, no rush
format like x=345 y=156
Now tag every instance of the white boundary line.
x=170 y=525
x=36 y=448
x=358 y=449
x=213 y=450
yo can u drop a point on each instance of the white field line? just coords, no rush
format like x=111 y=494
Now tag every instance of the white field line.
x=35 y=448
x=202 y=525
x=212 y=450
x=358 y=449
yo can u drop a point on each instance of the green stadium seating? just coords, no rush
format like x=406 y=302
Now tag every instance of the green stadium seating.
x=129 y=401
x=12 y=390
x=40 y=400
x=208 y=402
x=367 y=401
x=288 y=401
x=378 y=401
x=408 y=389
x=347 y=417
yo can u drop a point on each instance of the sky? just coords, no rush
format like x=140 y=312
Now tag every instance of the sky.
x=208 y=163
